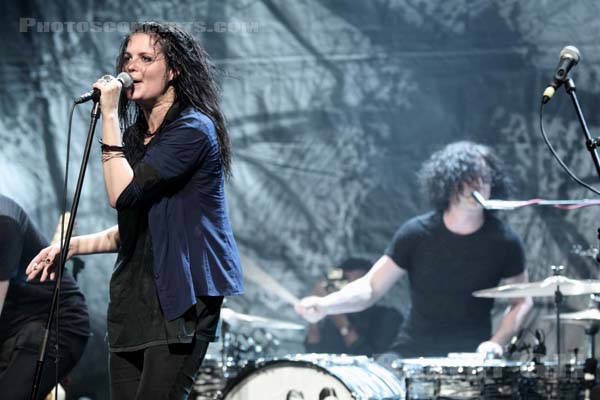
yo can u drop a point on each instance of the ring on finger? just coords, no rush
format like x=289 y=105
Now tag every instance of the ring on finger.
x=47 y=260
x=35 y=266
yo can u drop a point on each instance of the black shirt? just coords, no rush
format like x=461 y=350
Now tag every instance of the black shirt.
x=444 y=269
x=20 y=242
x=135 y=318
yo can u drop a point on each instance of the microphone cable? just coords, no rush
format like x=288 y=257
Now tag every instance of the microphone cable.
x=62 y=236
x=557 y=157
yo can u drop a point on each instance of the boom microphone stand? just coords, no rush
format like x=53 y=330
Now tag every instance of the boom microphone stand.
x=591 y=145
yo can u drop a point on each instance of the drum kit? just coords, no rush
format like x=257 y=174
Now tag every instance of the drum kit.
x=242 y=372
x=244 y=339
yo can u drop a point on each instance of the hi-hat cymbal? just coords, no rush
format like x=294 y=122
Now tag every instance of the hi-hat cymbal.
x=547 y=287
x=235 y=318
x=591 y=314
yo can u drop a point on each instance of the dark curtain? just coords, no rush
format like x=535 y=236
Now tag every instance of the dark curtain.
x=332 y=106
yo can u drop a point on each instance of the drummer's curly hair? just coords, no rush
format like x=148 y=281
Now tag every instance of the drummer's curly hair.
x=447 y=170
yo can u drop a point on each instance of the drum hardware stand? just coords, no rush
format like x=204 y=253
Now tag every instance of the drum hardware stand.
x=591 y=363
x=539 y=348
x=591 y=332
x=224 y=342
x=229 y=352
x=558 y=299
x=589 y=376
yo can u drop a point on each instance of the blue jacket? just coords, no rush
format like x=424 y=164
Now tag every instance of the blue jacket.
x=182 y=177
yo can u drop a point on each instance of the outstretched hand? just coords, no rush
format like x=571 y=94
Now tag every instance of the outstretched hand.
x=310 y=309
x=44 y=263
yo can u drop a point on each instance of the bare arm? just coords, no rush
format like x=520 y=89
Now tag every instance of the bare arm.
x=366 y=291
x=515 y=313
x=3 y=291
x=117 y=171
x=356 y=296
x=106 y=241
x=511 y=322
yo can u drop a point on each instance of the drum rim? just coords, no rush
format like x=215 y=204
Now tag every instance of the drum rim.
x=447 y=365
x=249 y=369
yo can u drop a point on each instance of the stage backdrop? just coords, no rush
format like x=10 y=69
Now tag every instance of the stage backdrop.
x=332 y=106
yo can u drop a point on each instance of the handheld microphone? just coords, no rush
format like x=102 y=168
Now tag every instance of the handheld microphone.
x=94 y=94
x=569 y=57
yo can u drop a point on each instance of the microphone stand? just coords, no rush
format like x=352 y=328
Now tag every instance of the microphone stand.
x=95 y=114
x=591 y=362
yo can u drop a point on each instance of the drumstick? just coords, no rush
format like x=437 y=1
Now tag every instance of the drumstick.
x=257 y=275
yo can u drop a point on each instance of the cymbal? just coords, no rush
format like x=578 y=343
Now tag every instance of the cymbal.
x=547 y=287
x=591 y=314
x=235 y=318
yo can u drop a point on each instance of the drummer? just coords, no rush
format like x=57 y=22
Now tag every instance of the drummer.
x=447 y=253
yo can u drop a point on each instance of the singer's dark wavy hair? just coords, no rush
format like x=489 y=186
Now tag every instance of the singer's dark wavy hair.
x=443 y=175
x=193 y=83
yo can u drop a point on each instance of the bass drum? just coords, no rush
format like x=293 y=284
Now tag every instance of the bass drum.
x=315 y=377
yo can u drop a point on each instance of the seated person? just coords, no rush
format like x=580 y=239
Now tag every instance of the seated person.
x=368 y=332
x=24 y=308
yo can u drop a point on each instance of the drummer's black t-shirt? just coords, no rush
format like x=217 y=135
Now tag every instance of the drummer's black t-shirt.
x=444 y=269
x=20 y=241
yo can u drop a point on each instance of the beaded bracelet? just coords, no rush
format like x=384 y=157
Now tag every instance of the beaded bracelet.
x=110 y=155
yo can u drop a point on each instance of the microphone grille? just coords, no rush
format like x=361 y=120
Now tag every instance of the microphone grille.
x=125 y=79
x=570 y=52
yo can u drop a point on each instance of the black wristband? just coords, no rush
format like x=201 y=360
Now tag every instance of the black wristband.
x=109 y=148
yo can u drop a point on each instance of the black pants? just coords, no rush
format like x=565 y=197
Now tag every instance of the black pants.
x=18 y=359
x=157 y=372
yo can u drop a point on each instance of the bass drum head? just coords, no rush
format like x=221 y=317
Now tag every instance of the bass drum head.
x=318 y=377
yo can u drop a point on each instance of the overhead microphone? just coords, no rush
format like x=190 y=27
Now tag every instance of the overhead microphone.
x=569 y=57
x=94 y=94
